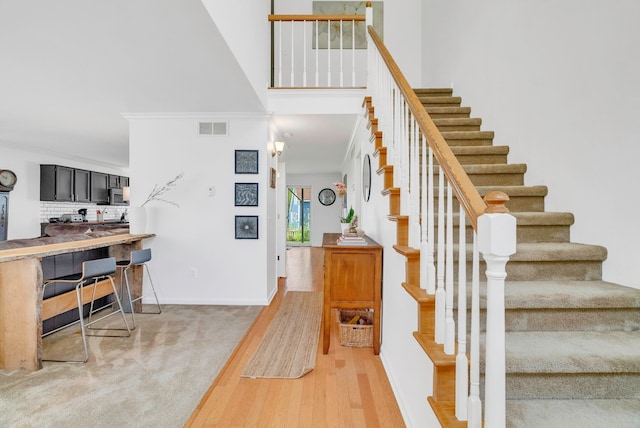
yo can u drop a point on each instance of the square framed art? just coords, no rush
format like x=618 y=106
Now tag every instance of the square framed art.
x=246 y=194
x=246 y=227
x=246 y=161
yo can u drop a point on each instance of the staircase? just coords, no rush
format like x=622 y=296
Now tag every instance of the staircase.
x=572 y=340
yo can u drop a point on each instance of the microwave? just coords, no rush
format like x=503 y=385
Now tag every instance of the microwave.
x=116 y=197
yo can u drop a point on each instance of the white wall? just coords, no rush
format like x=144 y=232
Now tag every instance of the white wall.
x=558 y=83
x=197 y=259
x=24 y=200
x=233 y=18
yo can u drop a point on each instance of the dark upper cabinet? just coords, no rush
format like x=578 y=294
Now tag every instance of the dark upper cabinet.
x=118 y=181
x=99 y=188
x=82 y=185
x=56 y=183
x=65 y=184
x=114 y=181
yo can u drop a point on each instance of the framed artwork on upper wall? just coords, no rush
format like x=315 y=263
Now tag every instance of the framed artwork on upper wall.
x=246 y=161
x=347 y=28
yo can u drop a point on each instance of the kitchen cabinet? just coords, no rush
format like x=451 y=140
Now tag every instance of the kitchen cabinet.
x=352 y=280
x=118 y=181
x=64 y=184
x=56 y=183
x=82 y=185
x=99 y=188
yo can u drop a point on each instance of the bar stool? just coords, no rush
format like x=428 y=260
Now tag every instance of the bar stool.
x=137 y=258
x=92 y=272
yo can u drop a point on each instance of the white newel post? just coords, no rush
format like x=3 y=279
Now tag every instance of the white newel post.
x=496 y=242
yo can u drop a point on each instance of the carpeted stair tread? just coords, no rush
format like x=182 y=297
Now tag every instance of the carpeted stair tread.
x=569 y=294
x=543 y=218
x=439 y=99
x=468 y=135
x=436 y=111
x=573 y=352
x=515 y=190
x=479 y=150
x=511 y=168
x=475 y=121
x=558 y=251
x=573 y=413
x=433 y=91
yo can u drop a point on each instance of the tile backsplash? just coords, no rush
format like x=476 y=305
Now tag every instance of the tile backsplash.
x=56 y=209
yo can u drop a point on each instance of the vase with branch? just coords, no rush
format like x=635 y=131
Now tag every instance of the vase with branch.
x=138 y=214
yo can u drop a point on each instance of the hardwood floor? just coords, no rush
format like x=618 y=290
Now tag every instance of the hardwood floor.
x=347 y=388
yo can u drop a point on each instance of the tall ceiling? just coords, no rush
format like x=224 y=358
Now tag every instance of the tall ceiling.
x=70 y=68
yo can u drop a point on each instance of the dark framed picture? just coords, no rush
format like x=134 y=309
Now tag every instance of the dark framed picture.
x=246 y=194
x=246 y=227
x=272 y=178
x=246 y=161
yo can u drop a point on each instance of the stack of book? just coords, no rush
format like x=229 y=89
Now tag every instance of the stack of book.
x=351 y=239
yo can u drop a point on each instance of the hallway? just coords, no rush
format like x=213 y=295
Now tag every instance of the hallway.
x=347 y=388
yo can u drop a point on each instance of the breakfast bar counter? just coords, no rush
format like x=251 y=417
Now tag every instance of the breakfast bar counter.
x=21 y=304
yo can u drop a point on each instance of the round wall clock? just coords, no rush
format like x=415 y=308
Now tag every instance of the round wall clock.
x=7 y=179
x=327 y=196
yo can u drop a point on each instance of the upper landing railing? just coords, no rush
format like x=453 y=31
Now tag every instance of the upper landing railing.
x=318 y=51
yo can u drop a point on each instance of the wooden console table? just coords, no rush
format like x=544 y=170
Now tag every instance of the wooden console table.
x=352 y=279
x=21 y=305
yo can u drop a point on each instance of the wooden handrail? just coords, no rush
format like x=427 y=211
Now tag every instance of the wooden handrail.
x=467 y=194
x=322 y=18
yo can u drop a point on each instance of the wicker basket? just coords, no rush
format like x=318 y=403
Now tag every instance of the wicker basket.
x=355 y=334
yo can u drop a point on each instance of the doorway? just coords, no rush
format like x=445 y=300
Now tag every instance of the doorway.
x=298 y=216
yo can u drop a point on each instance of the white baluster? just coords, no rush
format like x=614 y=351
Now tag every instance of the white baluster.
x=462 y=363
x=431 y=267
x=328 y=53
x=304 y=53
x=353 y=53
x=341 y=54
x=440 y=293
x=280 y=54
x=474 y=404
x=292 y=82
x=317 y=53
x=450 y=325
x=424 y=224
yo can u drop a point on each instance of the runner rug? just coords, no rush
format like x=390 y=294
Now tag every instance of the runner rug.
x=288 y=349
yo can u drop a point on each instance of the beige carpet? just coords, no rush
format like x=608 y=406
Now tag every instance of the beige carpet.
x=288 y=349
x=155 y=378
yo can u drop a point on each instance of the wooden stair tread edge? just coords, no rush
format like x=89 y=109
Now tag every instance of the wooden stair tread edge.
x=379 y=151
x=435 y=351
x=390 y=191
x=384 y=168
x=408 y=252
x=445 y=411
x=398 y=218
x=420 y=295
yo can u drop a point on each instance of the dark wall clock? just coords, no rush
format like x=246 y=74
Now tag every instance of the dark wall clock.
x=327 y=196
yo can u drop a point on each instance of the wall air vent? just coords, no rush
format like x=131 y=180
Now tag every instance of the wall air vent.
x=213 y=128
